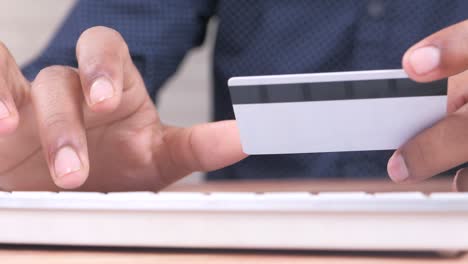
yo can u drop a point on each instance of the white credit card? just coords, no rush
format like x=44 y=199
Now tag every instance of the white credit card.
x=333 y=112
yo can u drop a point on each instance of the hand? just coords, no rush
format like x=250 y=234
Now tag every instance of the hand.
x=445 y=145
x=95 y=127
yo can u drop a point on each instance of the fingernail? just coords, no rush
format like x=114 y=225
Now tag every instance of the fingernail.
x=4 y=113
x=460 y=182
x=66 y=162
x=425 y=60
x=397 y=169
x=101 y=90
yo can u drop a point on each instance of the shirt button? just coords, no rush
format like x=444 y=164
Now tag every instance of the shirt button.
x=375 y=8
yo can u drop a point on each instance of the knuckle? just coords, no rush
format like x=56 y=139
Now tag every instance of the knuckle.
x=96 y=65
x=55 y=70
x=426 y=154
x=422 y=156
x=49 y=81
x=200 y=164
x=57 y=121
x=53 y=73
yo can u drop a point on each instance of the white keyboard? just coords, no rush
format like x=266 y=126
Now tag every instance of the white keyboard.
x=324 y=221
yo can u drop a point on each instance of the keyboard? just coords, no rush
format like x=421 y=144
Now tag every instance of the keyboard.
x=228 y=220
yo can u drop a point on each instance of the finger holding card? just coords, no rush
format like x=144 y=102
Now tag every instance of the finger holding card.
x=444 y=145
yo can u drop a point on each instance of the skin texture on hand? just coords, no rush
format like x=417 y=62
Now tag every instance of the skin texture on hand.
x=445 y=144
x=96 y=129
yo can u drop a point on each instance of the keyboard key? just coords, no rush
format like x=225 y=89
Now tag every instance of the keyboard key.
x=401 y=195
x=131 y=195
x=343 y=195
x=286 y=195
x=449 y=196
x=181 y=195
x=5 y=194
x=81 y=195
x=33 y=195
x=233 y=195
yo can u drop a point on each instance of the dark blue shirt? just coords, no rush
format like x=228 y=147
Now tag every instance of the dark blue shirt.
x=258 y=37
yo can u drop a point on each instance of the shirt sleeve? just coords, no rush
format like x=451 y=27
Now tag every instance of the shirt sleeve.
x=158 y=32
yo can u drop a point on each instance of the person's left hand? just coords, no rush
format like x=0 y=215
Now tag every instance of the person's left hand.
x=444 y=145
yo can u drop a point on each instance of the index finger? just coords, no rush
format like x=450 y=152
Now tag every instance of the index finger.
x=443 y=54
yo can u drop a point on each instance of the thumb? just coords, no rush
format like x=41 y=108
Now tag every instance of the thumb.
x=204 y=147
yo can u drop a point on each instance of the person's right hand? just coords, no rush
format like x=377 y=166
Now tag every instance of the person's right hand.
x=96 y=128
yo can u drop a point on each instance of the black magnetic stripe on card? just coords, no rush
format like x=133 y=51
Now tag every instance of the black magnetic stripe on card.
x=328 y=91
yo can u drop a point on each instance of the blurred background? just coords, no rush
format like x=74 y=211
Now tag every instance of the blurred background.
x=26 y=26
